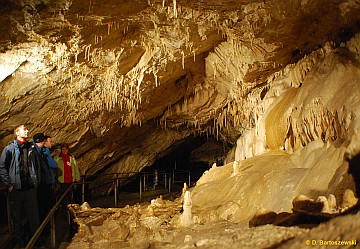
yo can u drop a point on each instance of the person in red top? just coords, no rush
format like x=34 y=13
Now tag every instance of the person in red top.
x=67 y=168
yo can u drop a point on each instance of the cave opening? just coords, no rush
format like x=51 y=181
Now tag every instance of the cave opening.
x=191 y=157
x=196 y=153
x=354 y=170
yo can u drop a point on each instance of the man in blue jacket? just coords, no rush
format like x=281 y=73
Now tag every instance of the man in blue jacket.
x=51 y=161
x=19 y=171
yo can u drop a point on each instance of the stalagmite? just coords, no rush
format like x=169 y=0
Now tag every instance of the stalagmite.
x=332 y=203
x=236 y=168
x=186 y=218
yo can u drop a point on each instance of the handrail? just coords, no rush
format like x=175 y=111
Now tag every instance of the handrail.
x=49 y=217
x=168 y=178
x=137 y=174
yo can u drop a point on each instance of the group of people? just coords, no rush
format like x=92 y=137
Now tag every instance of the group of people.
x=30 y=173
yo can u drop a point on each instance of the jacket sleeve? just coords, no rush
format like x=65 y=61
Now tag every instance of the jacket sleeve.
x=51 y=161
x=76 y=172
x=4 y=167
x=35 y=170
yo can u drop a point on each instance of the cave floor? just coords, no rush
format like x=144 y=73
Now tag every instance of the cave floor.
x=64 y=234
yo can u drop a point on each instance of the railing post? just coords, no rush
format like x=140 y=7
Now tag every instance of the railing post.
x=8 y=207
x=165 y=180
x=169 y=184
x=72 y=193
x=140 y=190
x=116 y=184
x=173 y=176
x=68 y=214
x=48 y=218
x=144 y=185
x=189 y=180
x=83 y=190
x=52 y=232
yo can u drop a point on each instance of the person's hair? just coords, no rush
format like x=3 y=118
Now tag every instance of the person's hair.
x=65 y=145
x=46 y=137
x=17 y=128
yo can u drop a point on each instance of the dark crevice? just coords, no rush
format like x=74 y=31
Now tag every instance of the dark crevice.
x=354 y=170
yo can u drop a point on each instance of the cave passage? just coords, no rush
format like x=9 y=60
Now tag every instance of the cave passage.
x=195 y=155
x=354 y=170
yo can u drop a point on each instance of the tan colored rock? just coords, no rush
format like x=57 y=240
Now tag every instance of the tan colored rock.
x=332 y=203
x=348 y=199
x=324 y=201
x=262 y=217
x=304 y=203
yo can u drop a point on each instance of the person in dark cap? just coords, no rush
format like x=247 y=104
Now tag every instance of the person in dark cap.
x=39 y=138
x=19 y=166
x=44 y=191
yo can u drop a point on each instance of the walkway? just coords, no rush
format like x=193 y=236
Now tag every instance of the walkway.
x=63 y=236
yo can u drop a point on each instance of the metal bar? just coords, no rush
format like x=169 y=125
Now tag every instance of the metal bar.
x=46 y=220
x=83 y=190
x=169 y=184
x=116 y=184
x=72 y=195
x=52 y=232
x=165 y=180
x=68 y=217
x=140 y=192
x=8 y=207
x=189 y=180
x=144 y=185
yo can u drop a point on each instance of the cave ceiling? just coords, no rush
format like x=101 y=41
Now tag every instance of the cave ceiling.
x=125 y=82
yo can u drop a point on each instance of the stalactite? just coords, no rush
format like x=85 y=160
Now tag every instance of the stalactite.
x=175 y=8
x=183 y=59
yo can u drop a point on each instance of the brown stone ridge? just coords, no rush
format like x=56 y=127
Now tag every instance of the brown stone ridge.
x=306 y=212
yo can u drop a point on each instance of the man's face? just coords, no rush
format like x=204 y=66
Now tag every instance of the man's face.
x=22 y=133
x=49 y=143
x=41 y=144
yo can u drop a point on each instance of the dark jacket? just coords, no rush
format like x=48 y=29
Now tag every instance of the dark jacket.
x=46 y=176
x=10 y=165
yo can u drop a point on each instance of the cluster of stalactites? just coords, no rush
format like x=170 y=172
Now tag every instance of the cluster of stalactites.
x=275 y=123
x=98 y=71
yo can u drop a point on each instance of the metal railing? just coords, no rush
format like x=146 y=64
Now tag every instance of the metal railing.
x=182 y=172
x=118 y=178
x=144 y=178
x=49 y=218
x=168 y=180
